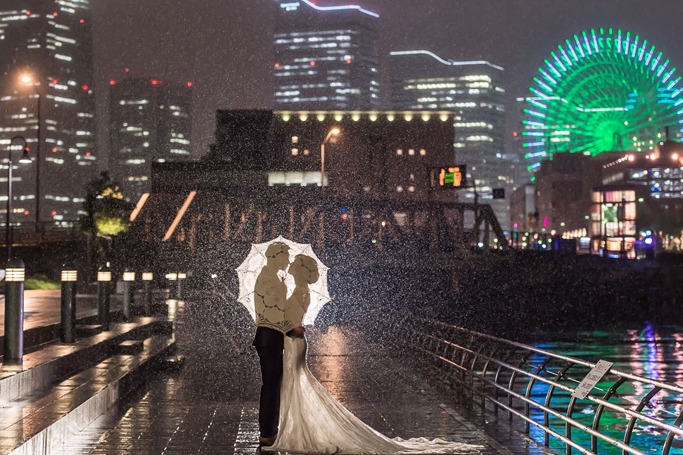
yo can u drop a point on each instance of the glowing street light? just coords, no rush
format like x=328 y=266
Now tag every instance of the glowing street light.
x=335 y=131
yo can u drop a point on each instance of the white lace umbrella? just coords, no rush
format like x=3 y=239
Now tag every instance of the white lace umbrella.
x=250 y=269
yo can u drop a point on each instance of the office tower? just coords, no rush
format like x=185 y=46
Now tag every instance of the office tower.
x=325 y=57
x=473 y=91
x=150 y=120
x=46 y=97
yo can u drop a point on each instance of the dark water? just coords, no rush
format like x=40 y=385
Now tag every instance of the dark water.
x=649 y=351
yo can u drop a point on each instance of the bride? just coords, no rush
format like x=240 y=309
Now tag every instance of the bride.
x=311 y=420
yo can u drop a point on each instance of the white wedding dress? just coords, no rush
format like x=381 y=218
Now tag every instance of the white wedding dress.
x=312 y=421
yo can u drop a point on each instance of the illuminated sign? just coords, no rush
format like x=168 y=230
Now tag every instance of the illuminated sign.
x=450 y=177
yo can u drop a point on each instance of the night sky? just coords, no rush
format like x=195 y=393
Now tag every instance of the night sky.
x=225 y=46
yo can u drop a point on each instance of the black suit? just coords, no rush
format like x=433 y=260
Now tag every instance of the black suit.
x=269 y=345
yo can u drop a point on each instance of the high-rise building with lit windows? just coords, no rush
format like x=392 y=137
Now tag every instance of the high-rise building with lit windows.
x=325 y=57
x=151 y=120
x=473 y=91
x=46 y=92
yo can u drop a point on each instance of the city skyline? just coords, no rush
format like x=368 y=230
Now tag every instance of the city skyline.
x=226 y=49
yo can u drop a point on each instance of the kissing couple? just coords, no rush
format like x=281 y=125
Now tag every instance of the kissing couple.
x=296 y=413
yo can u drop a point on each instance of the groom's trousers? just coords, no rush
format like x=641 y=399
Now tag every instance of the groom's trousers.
x=269 y=344
x=271 y=374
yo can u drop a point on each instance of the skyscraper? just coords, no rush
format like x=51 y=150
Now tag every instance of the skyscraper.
x=473 y=91
x=46 y=97
x=326 y=57
x=150 y=120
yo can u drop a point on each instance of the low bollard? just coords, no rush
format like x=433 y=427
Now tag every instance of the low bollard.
x=179 y=288
x=14 y=312
x=173 y=278
x=128 y=279
x=68 y=303
x=147 y=278
x=103 y=296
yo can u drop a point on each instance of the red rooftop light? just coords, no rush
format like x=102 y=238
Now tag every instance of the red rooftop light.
x=87 y=153
x=82 y=21
x=25 y=212
x=277 y=65
x=28 y=13
x=85 y=87
x=155 y=82
x=127 y=70
x=55 y=14
x=55 y=81
x=312 y=62
x=189 y=83
x=112 y=82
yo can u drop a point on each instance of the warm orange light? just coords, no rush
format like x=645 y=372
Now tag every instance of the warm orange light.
x=26 y=79
x=335 y=131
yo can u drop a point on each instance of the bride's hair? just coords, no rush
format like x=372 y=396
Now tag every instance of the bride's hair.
x=308 y=263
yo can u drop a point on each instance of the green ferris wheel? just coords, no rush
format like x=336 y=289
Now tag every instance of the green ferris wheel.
x=601 y=90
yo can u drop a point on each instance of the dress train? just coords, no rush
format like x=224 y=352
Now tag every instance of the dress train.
x=312 y=421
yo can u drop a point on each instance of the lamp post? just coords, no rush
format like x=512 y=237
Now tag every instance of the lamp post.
x=27 y=79
x=8 y=220
x=333 y=132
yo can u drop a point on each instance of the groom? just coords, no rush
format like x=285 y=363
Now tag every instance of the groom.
x=269 y=342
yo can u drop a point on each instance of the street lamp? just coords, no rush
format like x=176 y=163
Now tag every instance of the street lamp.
x=8 y=220
x=333 y=132
x=28 y=80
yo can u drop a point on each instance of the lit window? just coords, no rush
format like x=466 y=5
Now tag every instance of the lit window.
x=411 y=152
x=423 y=152
x=411 y=188
x=295 y=152
x=399 y=152
x=399 y=189
x=295 y=139
x=306 y=152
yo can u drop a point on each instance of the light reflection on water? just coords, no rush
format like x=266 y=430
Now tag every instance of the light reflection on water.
x=651 y=352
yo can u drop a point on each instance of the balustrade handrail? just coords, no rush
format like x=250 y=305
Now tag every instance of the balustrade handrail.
x=484 y=374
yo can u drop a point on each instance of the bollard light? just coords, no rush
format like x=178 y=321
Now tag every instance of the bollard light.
x=13 y=343
x=103 y=276
x=128 y=276
x=103 y=295
x=68 y=303
x=15 y=274
x=69 y=276
x=147 y=278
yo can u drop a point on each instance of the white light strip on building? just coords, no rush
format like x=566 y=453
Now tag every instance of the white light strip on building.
x=447 y=62
x=179 y=216
x=338 y=8
x=141 y=202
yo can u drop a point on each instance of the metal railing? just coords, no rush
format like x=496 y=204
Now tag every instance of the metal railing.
x=534 y=386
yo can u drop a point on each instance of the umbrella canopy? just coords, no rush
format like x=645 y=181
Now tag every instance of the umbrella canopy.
x=265 y=287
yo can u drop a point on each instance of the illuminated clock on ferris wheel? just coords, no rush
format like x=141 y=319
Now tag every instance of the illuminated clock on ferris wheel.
x=602 y=90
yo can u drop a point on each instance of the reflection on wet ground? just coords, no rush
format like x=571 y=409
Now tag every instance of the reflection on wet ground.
x=211 y=405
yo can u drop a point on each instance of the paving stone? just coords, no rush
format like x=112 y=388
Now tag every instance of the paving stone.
x=210 y=406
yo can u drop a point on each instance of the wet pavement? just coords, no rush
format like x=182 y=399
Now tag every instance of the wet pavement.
x=211 y=405
x=41 y=308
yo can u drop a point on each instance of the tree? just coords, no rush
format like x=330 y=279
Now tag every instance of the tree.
x=106 y=216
